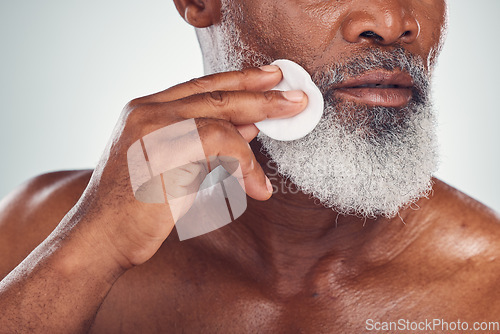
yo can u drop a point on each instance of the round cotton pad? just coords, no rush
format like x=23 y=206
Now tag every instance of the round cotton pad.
x=296 y=127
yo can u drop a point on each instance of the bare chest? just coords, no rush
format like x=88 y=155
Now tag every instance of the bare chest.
x=217 y=301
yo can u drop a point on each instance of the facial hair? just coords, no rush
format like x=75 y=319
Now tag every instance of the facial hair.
x=359 y=160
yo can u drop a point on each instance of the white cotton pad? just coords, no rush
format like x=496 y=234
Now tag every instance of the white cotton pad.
x=296 y=127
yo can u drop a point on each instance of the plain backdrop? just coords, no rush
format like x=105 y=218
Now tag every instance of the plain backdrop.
x=67 y=68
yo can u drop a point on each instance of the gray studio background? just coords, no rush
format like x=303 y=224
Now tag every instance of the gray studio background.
x=67 y=69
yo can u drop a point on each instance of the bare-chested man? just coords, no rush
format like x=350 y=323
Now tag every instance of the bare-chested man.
x=371 y=239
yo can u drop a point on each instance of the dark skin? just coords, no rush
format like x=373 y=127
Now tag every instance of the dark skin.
x=113 y=264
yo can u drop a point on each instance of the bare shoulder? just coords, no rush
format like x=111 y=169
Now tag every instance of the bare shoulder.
x=459 y=210
x=30 y=212
x=468 y=228
x=465 y=225
x=461 y=248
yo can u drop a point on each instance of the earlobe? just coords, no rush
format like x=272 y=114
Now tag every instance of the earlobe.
x=198 y=13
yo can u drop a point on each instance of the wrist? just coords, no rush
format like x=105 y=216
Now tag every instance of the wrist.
x=83 y=250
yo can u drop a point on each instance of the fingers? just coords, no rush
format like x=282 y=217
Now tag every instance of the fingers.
x=220 y=138
x=180 y=151
x=251 y=79
x=237 y=107
x=240 y=97
x=248 y=131
x=227 y=104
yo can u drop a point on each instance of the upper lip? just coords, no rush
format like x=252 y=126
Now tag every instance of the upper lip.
x=378 y=79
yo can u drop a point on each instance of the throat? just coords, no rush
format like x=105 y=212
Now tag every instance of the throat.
x=293 y=243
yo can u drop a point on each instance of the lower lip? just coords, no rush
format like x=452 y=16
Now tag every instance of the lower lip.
x=386 y=97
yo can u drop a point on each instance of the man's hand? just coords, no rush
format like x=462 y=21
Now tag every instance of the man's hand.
x=62 y=283
x=224 y=106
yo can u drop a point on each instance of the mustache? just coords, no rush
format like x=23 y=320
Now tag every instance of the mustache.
x=376 y=59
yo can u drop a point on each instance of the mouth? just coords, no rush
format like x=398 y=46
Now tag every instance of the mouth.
x=377 y=88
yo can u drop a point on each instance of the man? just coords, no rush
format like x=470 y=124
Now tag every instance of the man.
x=370 y=240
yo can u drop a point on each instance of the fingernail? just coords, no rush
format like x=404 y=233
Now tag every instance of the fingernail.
x=269 y=68
x=269 y=185
x=294 y=95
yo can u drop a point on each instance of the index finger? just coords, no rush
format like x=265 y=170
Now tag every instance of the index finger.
x=250 y=79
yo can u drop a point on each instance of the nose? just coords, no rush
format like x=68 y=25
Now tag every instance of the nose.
x=384 y=22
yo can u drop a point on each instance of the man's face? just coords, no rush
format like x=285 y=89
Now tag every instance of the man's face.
x=374 y=149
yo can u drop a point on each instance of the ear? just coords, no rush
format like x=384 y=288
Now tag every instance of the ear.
x=199 y=13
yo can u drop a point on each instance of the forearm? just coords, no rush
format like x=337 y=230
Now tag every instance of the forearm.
x=60 y=286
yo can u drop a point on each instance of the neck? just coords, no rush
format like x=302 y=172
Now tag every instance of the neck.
x=293 y=233
x=290 y=236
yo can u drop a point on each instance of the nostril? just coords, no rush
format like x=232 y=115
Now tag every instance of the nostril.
x=367 y=34
x=380 y=27
x=371 y=34
x=409 y=35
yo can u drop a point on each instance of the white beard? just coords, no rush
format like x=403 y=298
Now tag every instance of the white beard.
x=359 y=160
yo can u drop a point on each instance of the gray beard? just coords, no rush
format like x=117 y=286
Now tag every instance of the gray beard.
x=359 y=160
x=359 y=174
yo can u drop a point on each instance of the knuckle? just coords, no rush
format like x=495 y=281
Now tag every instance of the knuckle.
x=200 y=84
x=219 y=135
x=218 y=128
x=132 y=108
x=270 y=95
x=134 y=103
x=217 y=131
x=217 y=98
x=136 y=114
x=245 y=76
x=201 y=122
x=228 y=126
x=129 y=112
x=244 y=73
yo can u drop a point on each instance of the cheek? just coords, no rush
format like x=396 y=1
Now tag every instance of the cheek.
x=432 y=16
x=300 y=32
